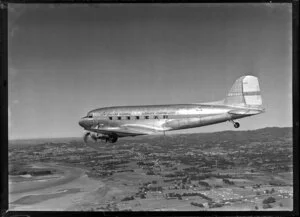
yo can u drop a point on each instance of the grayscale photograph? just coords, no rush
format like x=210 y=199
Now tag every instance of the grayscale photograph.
x=150 y=107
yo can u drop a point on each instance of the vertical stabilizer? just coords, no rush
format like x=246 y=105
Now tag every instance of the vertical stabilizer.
x=245 y=92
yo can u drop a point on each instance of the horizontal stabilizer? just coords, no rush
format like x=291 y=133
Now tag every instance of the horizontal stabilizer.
x=245 y=112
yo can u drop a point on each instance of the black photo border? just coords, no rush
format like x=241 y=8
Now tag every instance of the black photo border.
x=4 y=116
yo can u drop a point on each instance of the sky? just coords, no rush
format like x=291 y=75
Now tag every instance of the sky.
x=65 y=60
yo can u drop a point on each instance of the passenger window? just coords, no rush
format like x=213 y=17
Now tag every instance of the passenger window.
x=146 y=117
x=155 y=117
x=110 y=118
x=165 y=116
x=128 y=117
x=119 y=118
x=137 y=117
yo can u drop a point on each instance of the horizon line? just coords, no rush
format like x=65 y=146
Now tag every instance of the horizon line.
x=32 y=138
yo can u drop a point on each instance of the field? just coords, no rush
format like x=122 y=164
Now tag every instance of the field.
x=232 y=170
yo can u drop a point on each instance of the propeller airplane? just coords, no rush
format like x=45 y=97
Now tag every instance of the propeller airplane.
x=111 y=123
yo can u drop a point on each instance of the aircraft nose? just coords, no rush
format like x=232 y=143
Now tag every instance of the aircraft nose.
x=81 y=122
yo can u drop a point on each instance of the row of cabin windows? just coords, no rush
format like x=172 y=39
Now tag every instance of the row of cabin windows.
x=137 y=117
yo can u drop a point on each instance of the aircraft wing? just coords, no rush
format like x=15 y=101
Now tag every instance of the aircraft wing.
x=144 y=129
x=126 y=130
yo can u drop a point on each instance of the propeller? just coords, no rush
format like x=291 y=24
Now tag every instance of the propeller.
x=87 y=135
x=93 y=145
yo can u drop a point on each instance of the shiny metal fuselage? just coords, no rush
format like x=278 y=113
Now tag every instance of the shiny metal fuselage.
x=157 y=118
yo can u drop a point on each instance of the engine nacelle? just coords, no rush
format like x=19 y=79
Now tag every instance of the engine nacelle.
x=94 y=136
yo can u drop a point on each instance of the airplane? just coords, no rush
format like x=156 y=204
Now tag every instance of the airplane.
x=110 y=123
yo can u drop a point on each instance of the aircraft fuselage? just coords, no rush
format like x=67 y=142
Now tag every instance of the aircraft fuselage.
x=158 y=118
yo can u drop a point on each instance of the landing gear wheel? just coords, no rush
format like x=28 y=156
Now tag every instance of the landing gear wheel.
x=236 y=125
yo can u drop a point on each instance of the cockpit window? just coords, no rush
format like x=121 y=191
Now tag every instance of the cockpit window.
x=90 y=115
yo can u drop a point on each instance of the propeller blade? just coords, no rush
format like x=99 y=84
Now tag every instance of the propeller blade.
x=86 y=137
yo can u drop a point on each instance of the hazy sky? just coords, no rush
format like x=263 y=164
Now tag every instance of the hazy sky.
x=65 y=60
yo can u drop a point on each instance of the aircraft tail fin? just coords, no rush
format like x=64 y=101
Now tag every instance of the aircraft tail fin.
x=245 y=92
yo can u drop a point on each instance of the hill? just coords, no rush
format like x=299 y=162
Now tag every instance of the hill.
x=263 y=135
